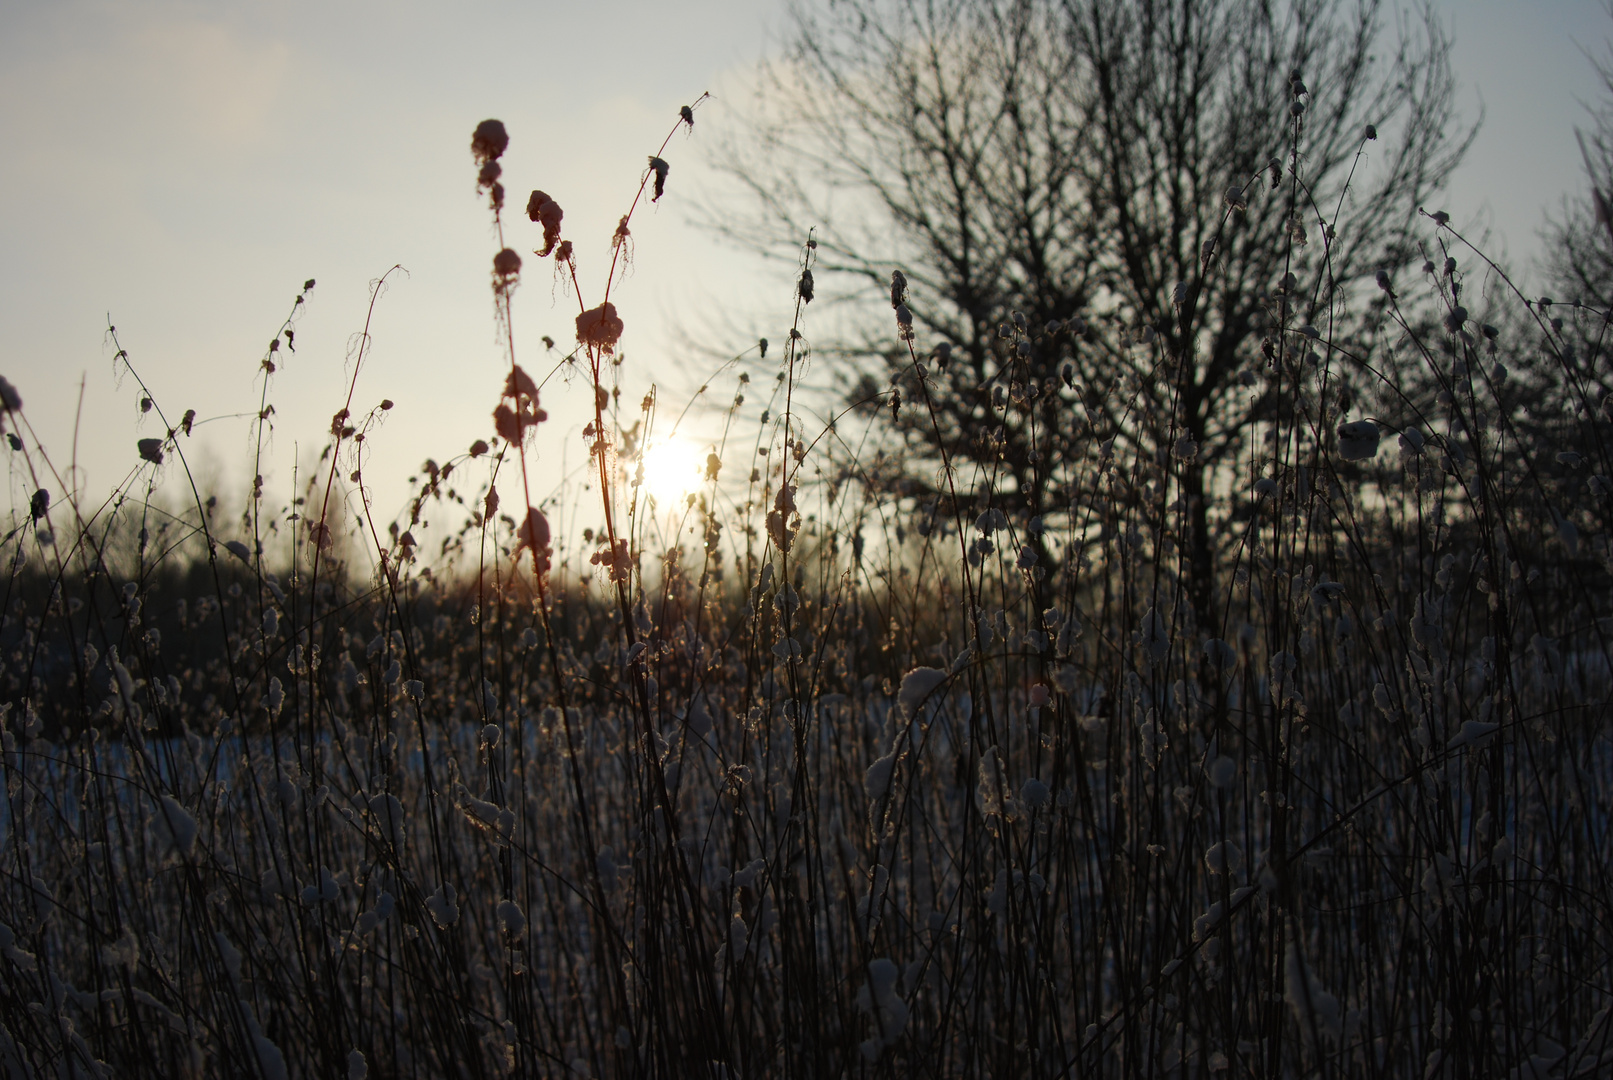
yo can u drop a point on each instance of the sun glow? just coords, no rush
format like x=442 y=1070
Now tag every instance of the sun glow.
x=672 y=469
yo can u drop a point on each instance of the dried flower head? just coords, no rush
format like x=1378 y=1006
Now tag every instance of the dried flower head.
x=489 y=141
x=546 y=212
x=804 y=286
x=506 y=266
x=660 y=168
x=513 y=421
x=616 y=558
x=10 y=400
x=150 y=450
x=898 y=288
x=518 y=384
x=600 y=327
x=534 y=537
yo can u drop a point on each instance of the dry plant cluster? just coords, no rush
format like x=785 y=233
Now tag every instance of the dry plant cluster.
x=852 y=769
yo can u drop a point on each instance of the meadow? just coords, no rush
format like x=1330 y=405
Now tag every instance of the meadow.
x=842 y=766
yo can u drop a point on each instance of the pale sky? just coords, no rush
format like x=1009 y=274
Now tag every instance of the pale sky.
x=183 y=167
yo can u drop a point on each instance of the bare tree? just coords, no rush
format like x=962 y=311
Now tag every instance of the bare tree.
x=1565 y=392
x=1578 y=258
x=1097 y=204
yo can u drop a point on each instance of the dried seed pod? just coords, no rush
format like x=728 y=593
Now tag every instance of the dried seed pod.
x=488 y=142
x=545 y=211
x=600 y=327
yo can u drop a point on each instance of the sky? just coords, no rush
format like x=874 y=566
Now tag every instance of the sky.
x=180 y=168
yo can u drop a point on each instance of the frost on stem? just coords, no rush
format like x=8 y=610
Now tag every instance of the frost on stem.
x=1224 y=858
x=904 y=323
x=616 y=558
x=991 y=790
x=1155 y=636
x=877 y=780
x=386 y=811
x=271 y=1062
x=778 y=519
x=1358 y=440
x=917 y=686
x=176 y=825
x=600 y=328
x=441 y=904
x=1316 y=1010
x=546 y=212
x=882 y=999
x=511 y=919
x=1473 y=733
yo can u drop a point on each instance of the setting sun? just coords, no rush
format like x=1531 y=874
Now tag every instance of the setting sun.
x=672 y=469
